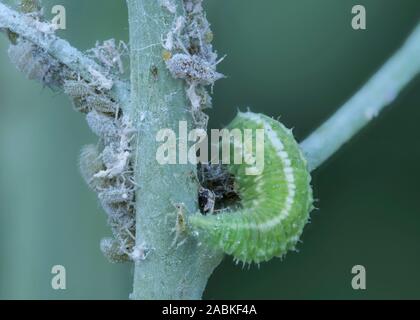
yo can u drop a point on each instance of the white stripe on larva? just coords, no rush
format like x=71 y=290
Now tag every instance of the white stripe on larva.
x=288 y=173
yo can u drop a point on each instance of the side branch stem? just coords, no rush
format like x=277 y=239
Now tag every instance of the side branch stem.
x=380 y=91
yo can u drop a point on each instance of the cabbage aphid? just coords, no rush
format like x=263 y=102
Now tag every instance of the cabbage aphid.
x=90 y=164
x=275 y=205
x=77 y=89
x=102 y=125
x=118 y=194
x=112 y=251
x=193 y=69
x=35 y=63
x=101 y=104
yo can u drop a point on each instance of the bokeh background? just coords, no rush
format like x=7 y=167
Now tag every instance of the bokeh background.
x=298 y=59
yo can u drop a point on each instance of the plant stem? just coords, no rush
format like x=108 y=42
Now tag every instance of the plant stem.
x=380 y=91
x=157 y=102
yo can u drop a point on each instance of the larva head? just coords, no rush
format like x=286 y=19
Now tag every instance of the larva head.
x=275 y=203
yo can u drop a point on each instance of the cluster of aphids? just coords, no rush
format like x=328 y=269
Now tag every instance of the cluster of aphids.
x=218 y=191
x=189 y=55
x=107 y=166
x=31 y=60
x=36 y=64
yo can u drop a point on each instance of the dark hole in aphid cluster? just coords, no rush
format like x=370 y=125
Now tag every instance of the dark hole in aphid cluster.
x=217 y=190
x=194 y=47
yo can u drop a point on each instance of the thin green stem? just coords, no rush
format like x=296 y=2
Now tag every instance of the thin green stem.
x=380 y=91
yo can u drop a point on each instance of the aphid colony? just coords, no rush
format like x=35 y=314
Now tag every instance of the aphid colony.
x=253 y=218
x=189 y=56
x=106 y=167
x=35 y=63
x=32 y=61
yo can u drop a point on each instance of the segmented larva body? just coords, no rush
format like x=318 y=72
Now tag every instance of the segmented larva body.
x=275 y=205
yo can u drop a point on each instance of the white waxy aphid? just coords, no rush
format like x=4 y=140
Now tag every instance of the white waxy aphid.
x=199 y=97
x=117 y=194
x=114 y=209
x=169 y=5
x=139 y=253
x=109 y=54
x=90 y=164
x=102 y=125
x=109 y=155
x=35 y=63
x=112 y=251
x=86 y=99
x=116 y=163
x=77 y=88
x=101 y=103
x=192 y=68
x=173 y=36
x=100 y=80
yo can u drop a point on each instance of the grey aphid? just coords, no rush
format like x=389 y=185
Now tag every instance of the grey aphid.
x=101 y=104
x=86 y=99
x=116 y=195
x=115 y=210
x=109 y=54
x=80 y=105
x=77 y=88
x=109 y=155
x=35 y=63
x=116 y=162
x=90 y=164
x=193 y=68
x=112 y=251
x=102 y=125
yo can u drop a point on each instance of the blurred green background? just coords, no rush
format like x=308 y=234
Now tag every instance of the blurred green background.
x=296 y=58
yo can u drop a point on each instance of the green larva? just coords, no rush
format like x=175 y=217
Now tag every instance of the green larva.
x=275 y=205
